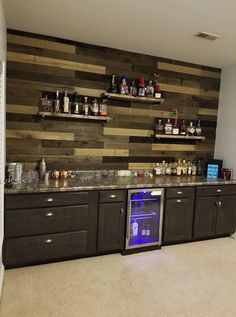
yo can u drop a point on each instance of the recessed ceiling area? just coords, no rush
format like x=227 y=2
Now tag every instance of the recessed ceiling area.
x=164 y=28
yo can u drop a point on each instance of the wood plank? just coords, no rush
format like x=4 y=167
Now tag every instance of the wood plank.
x=189 y=90
x=183 y=147
x=207 y=112
x=141 y=166
x=101 y=152
x=21 y=109
x=39 y=135
x=188 y=70
x=34 y=42
x=53 y=62
x=127 y=132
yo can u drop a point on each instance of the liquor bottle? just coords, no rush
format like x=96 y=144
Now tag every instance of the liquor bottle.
x=158 y=169
x=198 y=128
x=95 y=108
x=141 y=87
x=133 y=89
x=113 y=86
x=163 y=168
x=179 y=168
x=103 y=108
x=143 y=230
x=45 y=105
x=175 y=130
x=199 y=168
x=157 y=93
x=124 y=89
x=75 y=106
x=191 y=129
x=183 y=128
x=168 y=127
x=184 y=168
x=174 y=169
x=86 y=106
x=57 y=103
x=194 y=169
x=148 y=229
x=66 y=102
x=190 y=168
x=159 y=128
x=42 y=169
x=150 y=89
x=168 y=169
x=135 y=228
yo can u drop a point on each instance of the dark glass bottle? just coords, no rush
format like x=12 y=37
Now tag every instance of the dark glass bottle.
x=157 y=93
x=141 y=87
x=183 y=128
x=75 y=106
x=159 y=128
x=198 y=128
x=113 y=86
x=133 y=89
x=199 y=168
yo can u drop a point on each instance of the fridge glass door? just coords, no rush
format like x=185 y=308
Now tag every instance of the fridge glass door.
x=144 y=218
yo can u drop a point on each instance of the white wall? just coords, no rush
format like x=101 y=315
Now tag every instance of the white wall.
x=225 y=147
x=2 y=129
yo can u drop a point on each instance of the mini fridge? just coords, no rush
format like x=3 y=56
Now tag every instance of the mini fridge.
x=144 y=218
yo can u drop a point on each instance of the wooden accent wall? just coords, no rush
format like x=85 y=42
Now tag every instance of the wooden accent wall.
x=38 y=64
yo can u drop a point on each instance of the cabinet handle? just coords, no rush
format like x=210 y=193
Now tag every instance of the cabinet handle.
x=121 y=211
x=178 y=200
x=49 y=214
x=179 y=193
x=216 y=203
x=49 y=200
x=48 y=241
x=218 y=190
x=219 y=204
x=112 y=196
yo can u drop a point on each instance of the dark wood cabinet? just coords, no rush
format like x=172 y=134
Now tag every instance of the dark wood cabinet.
x=178 y=220
x=226 y=215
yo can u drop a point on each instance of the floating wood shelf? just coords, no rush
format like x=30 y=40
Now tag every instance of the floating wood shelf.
x=74 y=116
x=132 y=98
x=182 y=137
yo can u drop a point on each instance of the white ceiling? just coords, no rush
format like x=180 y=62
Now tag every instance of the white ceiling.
x=157 y=27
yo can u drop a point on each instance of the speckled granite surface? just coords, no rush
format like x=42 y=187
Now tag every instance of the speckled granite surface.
x=113 y=183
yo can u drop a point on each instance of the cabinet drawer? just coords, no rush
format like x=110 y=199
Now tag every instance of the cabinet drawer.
x=112 y=195
x=26 y=222
x=29 y=250
x=180 y=192
x=19 y=201
x=216 y=190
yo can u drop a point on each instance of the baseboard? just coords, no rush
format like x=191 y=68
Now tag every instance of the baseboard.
x=1 y=280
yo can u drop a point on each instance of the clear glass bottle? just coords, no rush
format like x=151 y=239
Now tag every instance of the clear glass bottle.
x=158 y=169
x=198 y=128
x=133 y=89
x=113 y=86
x=183 y=128
x=194 y=169
x=159 y=128
x=103 y=108
x=179 y=168
x=189 y=168
x=148 y=229
x=124 y=89
x=86 y=106
x=174 y=169
x=163 y=168
x=150 y=89
x=141 y=87
x=191 y=129
x=95 y=108
x=66 y=103
x=175 y=130
x=184 y=168
x=168 y=169
x=57 y=103
x=75 y=106
x=168 y=127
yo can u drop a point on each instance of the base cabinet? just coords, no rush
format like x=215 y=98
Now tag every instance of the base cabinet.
x=226 y=215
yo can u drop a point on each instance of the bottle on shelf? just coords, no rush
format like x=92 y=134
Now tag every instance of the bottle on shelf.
x=174 y=169
x=179 y=168
x=157 y=93
x=175 y=130
x=113 y=86
x=75 y=105
x=194 y=169
x=198 y=128
x=103 y=108
x=66 y=103
x=95 y=107
x=86 y=106
x=143 y=230
x=199 y=168
x=124 y=89
x=163 y=168
x=184 y=168
x=168 y=127
x=133 y=89
x=168 y=169
x=135 y=228
x=141 y=87
x=190 y=165
x=45 y=104
x=159 y=128
x=42 y=168
x=150 y=89
x=57 y=103
x=148 y=229
x=191 y=129
x=183 y=128
x=158 y=169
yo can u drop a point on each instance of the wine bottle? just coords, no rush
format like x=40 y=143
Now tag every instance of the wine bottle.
x=141 y=87
x=113 y=86
x=66 y=102
x=198 y=128
x=57 y=103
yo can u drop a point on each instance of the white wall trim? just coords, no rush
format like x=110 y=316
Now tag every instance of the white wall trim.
x=2 y=269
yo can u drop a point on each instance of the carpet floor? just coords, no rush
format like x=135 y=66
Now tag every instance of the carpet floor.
x=188 y=280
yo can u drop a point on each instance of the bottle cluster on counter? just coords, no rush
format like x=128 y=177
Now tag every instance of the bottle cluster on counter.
x=173 y=129
x=149 y=89
x=77 y=105
x=179 y=168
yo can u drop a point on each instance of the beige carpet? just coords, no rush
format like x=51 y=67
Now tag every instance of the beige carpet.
x=197 y=279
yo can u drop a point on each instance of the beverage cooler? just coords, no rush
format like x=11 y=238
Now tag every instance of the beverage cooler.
x=144 y=218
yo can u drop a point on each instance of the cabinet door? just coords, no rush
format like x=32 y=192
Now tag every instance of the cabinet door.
x=205 y=217
x=111 y=226
x=178 y=219
x=226 y=215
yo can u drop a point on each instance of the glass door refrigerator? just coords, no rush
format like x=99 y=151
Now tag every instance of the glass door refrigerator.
x=144 y=218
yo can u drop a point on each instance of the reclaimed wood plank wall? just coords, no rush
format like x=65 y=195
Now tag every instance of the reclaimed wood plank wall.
x=38 y=64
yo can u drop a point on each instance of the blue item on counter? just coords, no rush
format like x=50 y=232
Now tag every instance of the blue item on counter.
x=212 y=170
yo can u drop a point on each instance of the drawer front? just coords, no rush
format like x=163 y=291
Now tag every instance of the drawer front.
x=180 y=192
x=216 y=190
x=108 y=196
x=26 y=222
x=32 y=250
x=19 y=201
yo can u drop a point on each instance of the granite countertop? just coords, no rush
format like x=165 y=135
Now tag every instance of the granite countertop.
x=122 y=182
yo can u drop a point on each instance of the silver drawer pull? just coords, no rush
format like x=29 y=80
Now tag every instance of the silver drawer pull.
x=49 y=214
x=219 y=204
x=179 y=193
x=49 y=200
x=48 y=241
x=112 y=196
x=218 y=190
x=121 y=211
x=178 y=200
